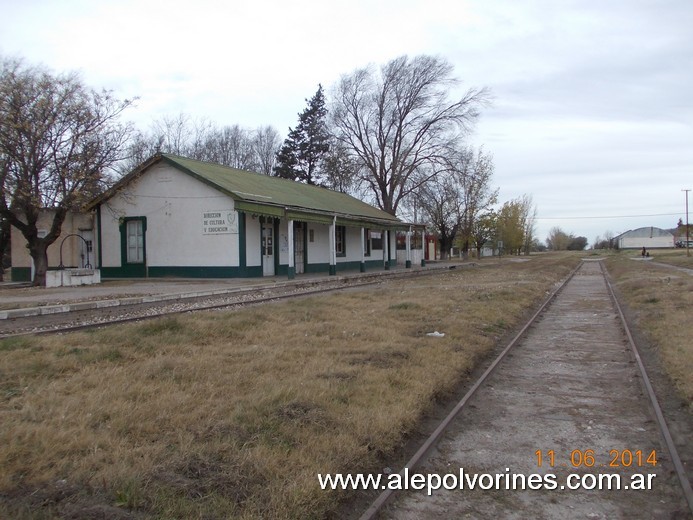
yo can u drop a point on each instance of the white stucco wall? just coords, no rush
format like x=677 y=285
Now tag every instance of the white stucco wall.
x=647 y=242
x=353 y=245
x=174 y=204
x=74 y=249
x=253 y=249
x=318 y=250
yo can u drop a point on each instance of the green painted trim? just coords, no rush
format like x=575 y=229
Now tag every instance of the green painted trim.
x=21 y=274
x=275 y=244
x=408 y=264
x=193 y=271
x=344 y=240
x=242 y=254
x=259 y=209
x=175 y=271
x=254 y=271
x=133 y=270
x=276 y=247
x=305 y=246
x=304 y=216
x=423 y=263
x=221 y=271
x=362 y=267
x=317 y=268
x=99 y=251
x=304 y=226
x=356 y=265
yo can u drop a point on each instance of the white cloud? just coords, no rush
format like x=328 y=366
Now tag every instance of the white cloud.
x=592 y=113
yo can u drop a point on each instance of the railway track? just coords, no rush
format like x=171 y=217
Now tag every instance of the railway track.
x=568 y=395
x=113 y=314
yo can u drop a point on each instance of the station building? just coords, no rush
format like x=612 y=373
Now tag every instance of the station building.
x=174 y=216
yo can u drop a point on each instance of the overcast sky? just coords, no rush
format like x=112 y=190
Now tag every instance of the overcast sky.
x=592 y=114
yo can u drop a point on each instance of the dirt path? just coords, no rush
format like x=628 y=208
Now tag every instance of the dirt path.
x=572 y=387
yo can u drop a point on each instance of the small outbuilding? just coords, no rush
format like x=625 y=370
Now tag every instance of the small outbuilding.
x=74 y=248
x=174 y=216
x=647 y=237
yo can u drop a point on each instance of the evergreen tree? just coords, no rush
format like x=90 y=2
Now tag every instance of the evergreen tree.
x=287 y=157
x=301 y=156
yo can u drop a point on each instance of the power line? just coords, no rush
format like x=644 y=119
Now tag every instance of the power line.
x=610 y=216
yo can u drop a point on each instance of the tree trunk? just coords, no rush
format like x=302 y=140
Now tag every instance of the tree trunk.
x=445 y=243
x=5 y=238
x=39 y=253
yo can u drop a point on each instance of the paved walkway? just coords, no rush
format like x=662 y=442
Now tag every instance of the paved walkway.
x=19 y=300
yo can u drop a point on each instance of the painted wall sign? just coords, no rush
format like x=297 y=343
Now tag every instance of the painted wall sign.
x=219 y=222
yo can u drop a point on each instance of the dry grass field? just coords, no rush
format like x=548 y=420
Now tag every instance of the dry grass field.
x=661 y=301
x=233 y=414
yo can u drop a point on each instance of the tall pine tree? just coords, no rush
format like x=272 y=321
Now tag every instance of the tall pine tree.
x=302 y=154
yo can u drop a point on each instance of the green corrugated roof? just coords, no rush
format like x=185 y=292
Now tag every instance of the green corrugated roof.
x=254 y=192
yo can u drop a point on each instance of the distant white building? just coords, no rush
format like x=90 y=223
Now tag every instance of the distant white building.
x=647 y=237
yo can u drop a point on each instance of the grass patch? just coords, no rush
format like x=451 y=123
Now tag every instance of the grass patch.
x=233 y=414
x=660 y=301
x=20 y=342
x=404 y=306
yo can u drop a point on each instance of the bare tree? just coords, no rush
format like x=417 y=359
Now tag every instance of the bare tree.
x=266 y=143
x=605 y=243
x=172 y=133
x=455 y=199
x=58 y=139
x=201 y=139
x=230 y=146
x=398 y=122
x=339 y=170
x=475 y=172
x=441 y=201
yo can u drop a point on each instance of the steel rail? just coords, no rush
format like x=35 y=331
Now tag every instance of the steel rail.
x=433 y=439
x=217 y=306
x=664 y=429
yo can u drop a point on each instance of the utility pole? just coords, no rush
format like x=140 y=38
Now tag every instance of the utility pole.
x=688 y=238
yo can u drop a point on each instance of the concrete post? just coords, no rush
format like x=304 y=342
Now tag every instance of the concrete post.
x=292 y=255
